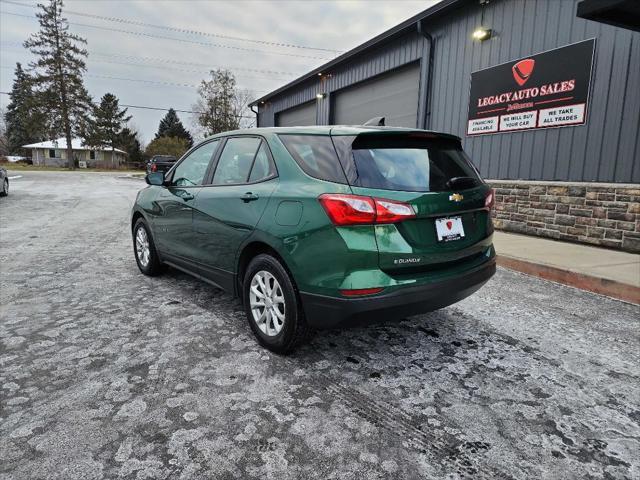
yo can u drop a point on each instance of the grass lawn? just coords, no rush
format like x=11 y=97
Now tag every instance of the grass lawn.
x=17 y=167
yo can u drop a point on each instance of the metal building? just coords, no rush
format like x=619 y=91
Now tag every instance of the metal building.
x=419 y=74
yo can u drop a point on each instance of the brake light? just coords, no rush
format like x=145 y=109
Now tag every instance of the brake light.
x=345 y=209
x=349 y=209
x=389 y=211
x=489 y=200
x=154 y=167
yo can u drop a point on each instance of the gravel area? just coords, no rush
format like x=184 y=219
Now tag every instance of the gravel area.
x=105 y=373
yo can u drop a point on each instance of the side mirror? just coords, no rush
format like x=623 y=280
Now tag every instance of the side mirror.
x=155 y=178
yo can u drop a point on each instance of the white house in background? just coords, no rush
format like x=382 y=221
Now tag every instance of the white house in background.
x=53 y=153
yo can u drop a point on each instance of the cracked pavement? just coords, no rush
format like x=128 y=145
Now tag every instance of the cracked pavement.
x=105 y=373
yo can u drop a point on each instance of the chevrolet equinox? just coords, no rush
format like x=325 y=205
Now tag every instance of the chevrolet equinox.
x=316 y=226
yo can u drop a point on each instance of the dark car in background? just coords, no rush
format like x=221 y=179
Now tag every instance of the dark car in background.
x=4 y=182
x=317 y=226
x=161 y=163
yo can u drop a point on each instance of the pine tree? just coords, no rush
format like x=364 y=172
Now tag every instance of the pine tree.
x=171 y=126
x=58 y=73
x=105 y=128
x=167 y=146
x=129 y=142
x=25 y=120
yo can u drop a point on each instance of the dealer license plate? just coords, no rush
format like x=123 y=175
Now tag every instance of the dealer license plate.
x=449 y=229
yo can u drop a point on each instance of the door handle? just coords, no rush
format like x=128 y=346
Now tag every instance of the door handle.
x=186 y=196
x=249 y=197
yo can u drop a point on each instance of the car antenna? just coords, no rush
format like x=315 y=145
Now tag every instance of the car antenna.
x=375 y=121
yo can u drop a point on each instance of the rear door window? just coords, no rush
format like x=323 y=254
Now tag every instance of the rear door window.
x=316 y=156
x=408 y=164
x=236 y=160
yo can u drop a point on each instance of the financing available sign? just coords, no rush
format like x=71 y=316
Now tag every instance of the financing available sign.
x=549 y=89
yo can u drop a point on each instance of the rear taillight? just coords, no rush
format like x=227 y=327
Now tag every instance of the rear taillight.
x=349 y=209
x=359 y=210
x=154 y=167
x=489 y=200
x=389 y=211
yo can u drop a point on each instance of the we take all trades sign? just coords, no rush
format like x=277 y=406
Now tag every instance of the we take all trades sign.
x=549 y=89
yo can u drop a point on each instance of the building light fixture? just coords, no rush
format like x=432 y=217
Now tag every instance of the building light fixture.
x=321 y=95
x=481 y=34
x=319 y=74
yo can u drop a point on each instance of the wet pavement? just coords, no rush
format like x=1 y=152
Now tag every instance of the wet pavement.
x=105 y=373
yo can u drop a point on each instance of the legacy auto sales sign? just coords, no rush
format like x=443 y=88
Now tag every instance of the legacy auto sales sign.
x=550 y=89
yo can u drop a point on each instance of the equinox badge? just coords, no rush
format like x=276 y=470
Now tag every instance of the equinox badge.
x=456 y=197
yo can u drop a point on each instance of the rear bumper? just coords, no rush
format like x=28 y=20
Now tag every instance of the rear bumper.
x=328 y=312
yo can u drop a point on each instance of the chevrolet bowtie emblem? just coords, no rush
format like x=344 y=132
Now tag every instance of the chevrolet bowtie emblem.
x=455 y=197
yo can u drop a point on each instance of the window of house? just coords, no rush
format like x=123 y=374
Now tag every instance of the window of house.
x=92 y=155
x=52 y=153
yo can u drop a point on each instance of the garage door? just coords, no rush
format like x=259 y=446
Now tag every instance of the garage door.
x=301 y=115
x=392 y=95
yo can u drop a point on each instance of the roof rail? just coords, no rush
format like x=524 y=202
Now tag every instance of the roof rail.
x=375 y=121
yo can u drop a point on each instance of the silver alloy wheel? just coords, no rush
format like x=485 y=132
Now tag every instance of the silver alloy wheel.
x=267 y=303
x=142 y=246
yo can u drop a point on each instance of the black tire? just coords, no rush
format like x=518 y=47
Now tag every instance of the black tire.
x=5 y=188
x=153 y=266
x=295 y=329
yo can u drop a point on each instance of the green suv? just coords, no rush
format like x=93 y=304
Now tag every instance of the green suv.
x=316 y=226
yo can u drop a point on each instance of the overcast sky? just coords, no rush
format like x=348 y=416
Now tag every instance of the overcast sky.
x=161 y=67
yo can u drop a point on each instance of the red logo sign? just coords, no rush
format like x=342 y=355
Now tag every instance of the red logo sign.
x=449 y=224
x=522 y=70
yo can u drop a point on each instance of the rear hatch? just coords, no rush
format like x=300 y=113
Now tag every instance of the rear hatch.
x=432 y=174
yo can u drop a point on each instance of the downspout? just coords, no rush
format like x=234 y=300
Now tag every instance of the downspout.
x=257 y=117
x=426 y=117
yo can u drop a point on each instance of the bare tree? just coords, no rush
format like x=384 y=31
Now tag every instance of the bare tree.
x=221 y=105
x=247 y=117
x=4 y=142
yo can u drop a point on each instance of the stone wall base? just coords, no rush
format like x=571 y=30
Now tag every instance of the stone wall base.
x=606 y=215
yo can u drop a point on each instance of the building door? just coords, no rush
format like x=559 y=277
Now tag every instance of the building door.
x=304 y=114
x=392 y=95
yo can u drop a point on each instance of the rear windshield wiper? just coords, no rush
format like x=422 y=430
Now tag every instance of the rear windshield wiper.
x=461 y=183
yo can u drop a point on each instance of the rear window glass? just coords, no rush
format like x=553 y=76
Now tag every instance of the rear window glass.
x=316 y=156
x=415 y=165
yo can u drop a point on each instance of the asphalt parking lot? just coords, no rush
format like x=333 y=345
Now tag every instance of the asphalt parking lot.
x=105 y=373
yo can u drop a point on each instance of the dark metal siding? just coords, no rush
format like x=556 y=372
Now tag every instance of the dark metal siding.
x=304 y=114
x=302 y=94
x=396 y=98
x=394 y=55
x=605 y=149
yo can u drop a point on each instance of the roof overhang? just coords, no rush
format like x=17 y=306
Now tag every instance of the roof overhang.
x=620 y=13
x=83 y=148
x=437 y=10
